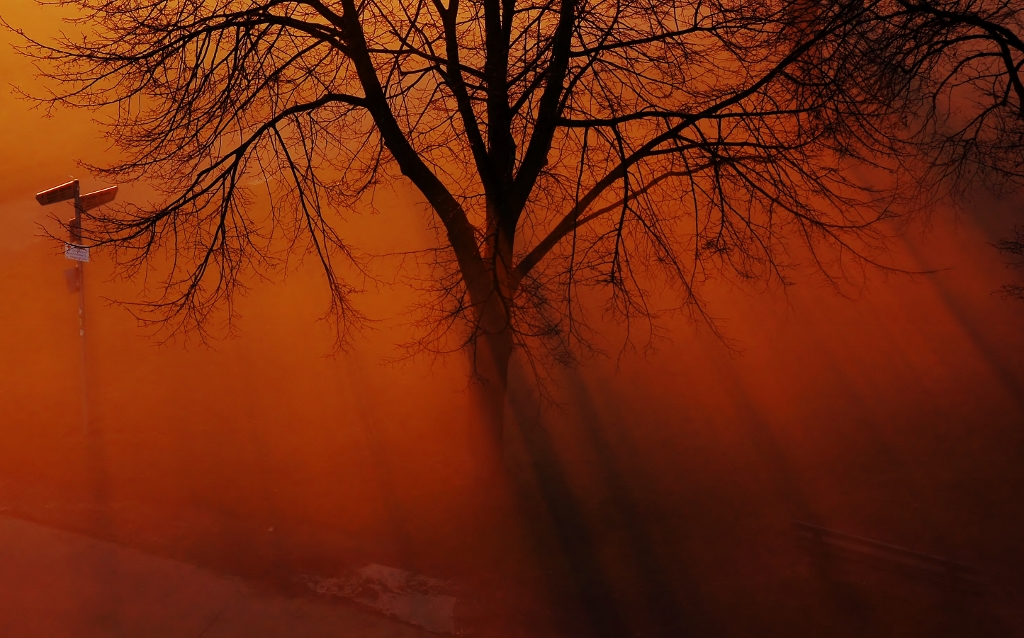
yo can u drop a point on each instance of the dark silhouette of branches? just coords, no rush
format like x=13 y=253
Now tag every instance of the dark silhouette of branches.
x=964 y=57
x=1014 y=246
x=966 y=115
x=628 y=147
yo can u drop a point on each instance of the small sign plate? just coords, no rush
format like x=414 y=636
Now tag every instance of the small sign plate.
x=76 y=252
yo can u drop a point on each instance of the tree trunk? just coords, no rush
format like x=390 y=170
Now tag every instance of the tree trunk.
x=488 y=280
x=492 y=355
x=527 y=464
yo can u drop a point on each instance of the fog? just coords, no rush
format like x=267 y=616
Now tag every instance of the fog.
x=661 y=485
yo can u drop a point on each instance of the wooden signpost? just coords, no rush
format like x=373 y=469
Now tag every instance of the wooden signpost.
x=75 y=249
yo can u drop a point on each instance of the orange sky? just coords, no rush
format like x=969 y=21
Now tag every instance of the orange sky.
x=887 y=413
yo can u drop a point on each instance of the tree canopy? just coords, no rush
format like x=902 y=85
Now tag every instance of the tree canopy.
x=620 y=145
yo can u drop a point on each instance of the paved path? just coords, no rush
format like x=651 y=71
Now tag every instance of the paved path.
x=59 y=584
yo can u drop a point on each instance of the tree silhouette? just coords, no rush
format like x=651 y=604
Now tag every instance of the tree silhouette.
x=561 y=145
x=1014 y=246
x=965 y=58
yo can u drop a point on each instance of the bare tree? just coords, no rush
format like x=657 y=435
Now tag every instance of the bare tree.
x=561 y=145
x=1014 y=246
x=965 y=57
x=966 y=94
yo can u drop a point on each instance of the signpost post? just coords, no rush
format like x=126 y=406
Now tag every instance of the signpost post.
x=77 y=251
